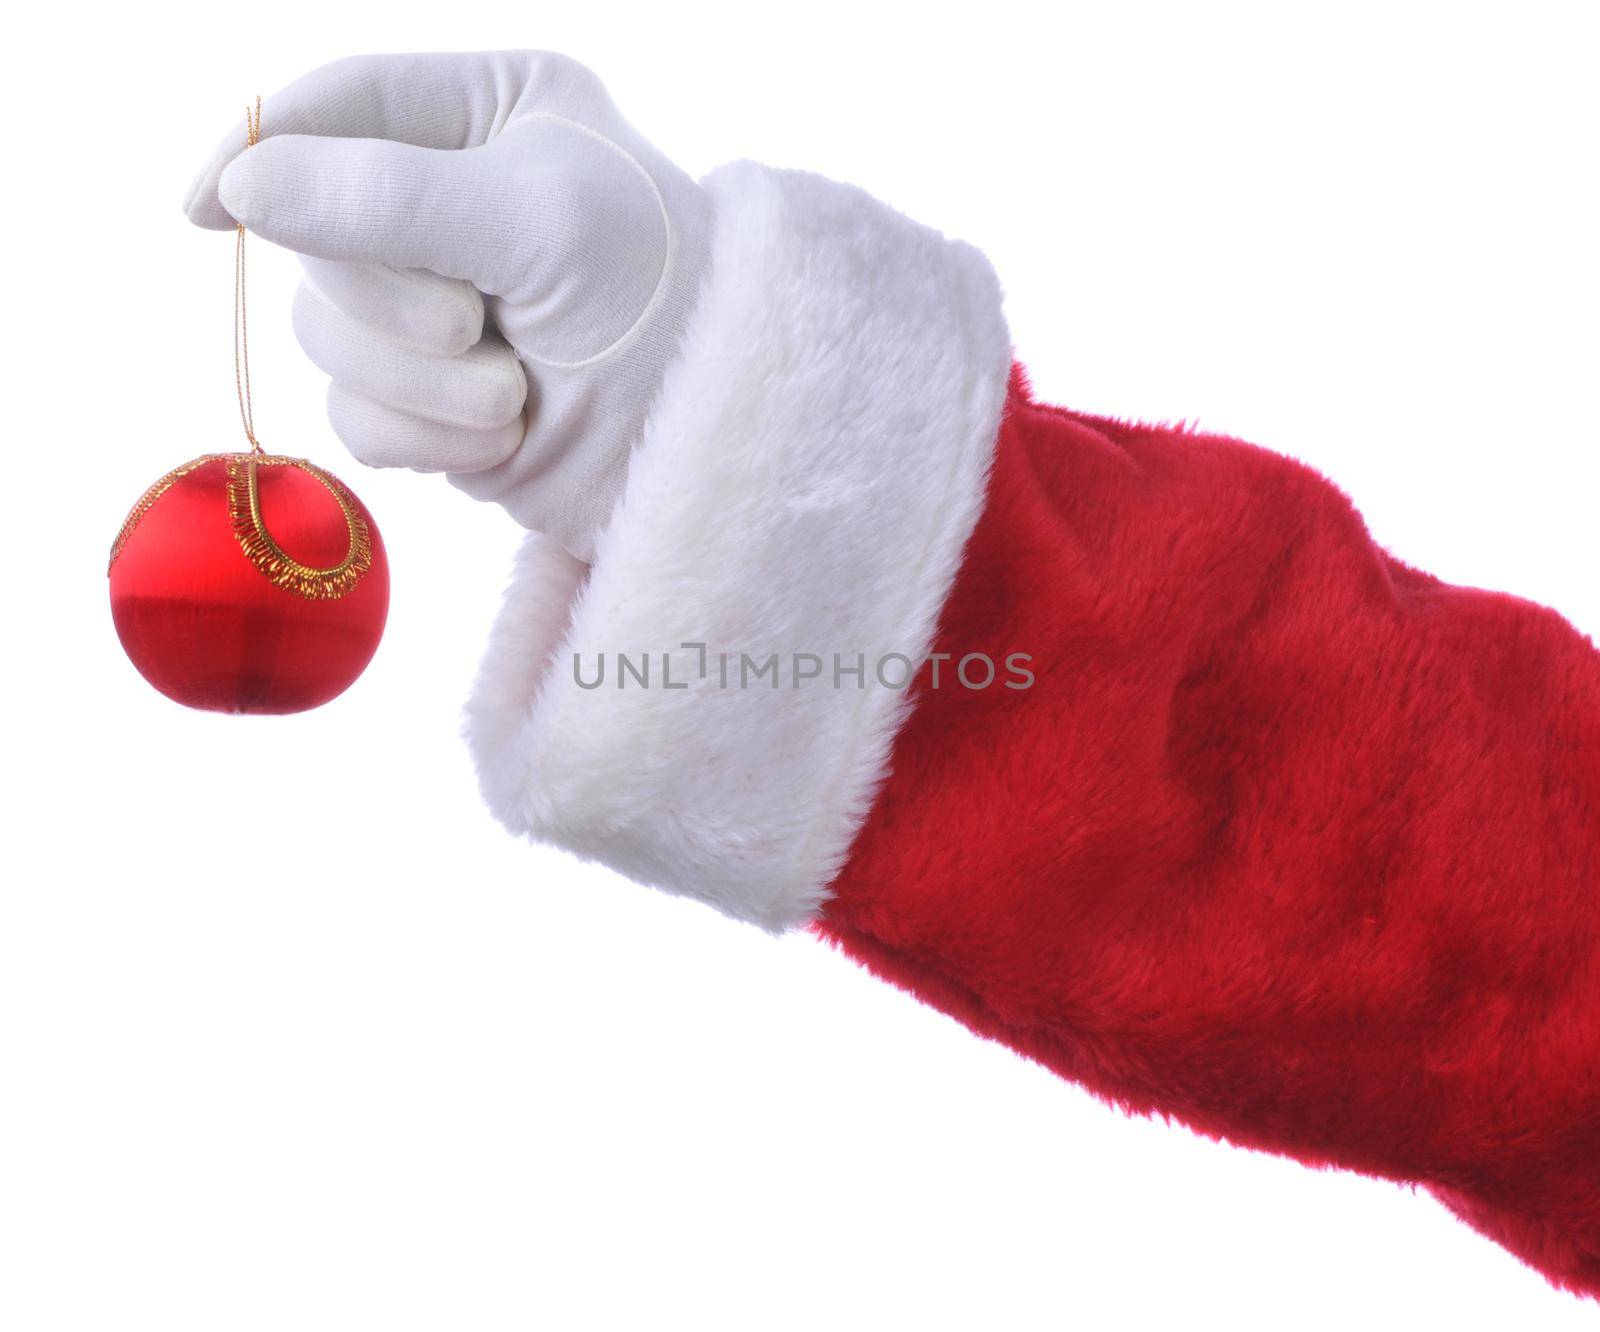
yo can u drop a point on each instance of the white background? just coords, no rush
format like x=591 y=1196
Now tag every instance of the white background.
x=293 y=1036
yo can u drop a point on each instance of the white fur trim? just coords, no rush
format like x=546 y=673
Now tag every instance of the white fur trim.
x=806 y=483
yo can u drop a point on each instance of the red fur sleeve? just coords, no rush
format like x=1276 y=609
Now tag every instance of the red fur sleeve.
x=1287 y=840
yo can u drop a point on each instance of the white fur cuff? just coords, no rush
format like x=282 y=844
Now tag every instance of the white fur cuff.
x=803 y=489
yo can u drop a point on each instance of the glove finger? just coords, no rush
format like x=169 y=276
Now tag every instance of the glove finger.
x=361 y=201
x=432 y=101
x=382 y=436
x=409 y=306
x=483 y=388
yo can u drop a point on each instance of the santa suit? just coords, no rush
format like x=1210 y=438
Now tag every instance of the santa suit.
x=1252 y=826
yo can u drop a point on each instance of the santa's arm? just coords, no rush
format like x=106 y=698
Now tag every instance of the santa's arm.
x=1198 y=797
x=1286 y=839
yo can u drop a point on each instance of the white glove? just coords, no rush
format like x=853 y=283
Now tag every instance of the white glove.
x=498 y=268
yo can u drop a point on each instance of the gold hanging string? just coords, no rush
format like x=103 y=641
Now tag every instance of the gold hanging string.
x=241 y=324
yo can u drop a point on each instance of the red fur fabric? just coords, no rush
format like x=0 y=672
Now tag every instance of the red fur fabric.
x=1287 y=840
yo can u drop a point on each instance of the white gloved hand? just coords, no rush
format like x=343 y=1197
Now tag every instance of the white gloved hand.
x=498 y=268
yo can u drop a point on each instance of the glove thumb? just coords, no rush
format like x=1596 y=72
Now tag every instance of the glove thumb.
x=366 y=201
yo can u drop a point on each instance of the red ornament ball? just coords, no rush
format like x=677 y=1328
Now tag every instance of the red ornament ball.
x=246 y=582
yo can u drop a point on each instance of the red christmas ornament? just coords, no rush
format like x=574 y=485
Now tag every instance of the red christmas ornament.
x=248 y=582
